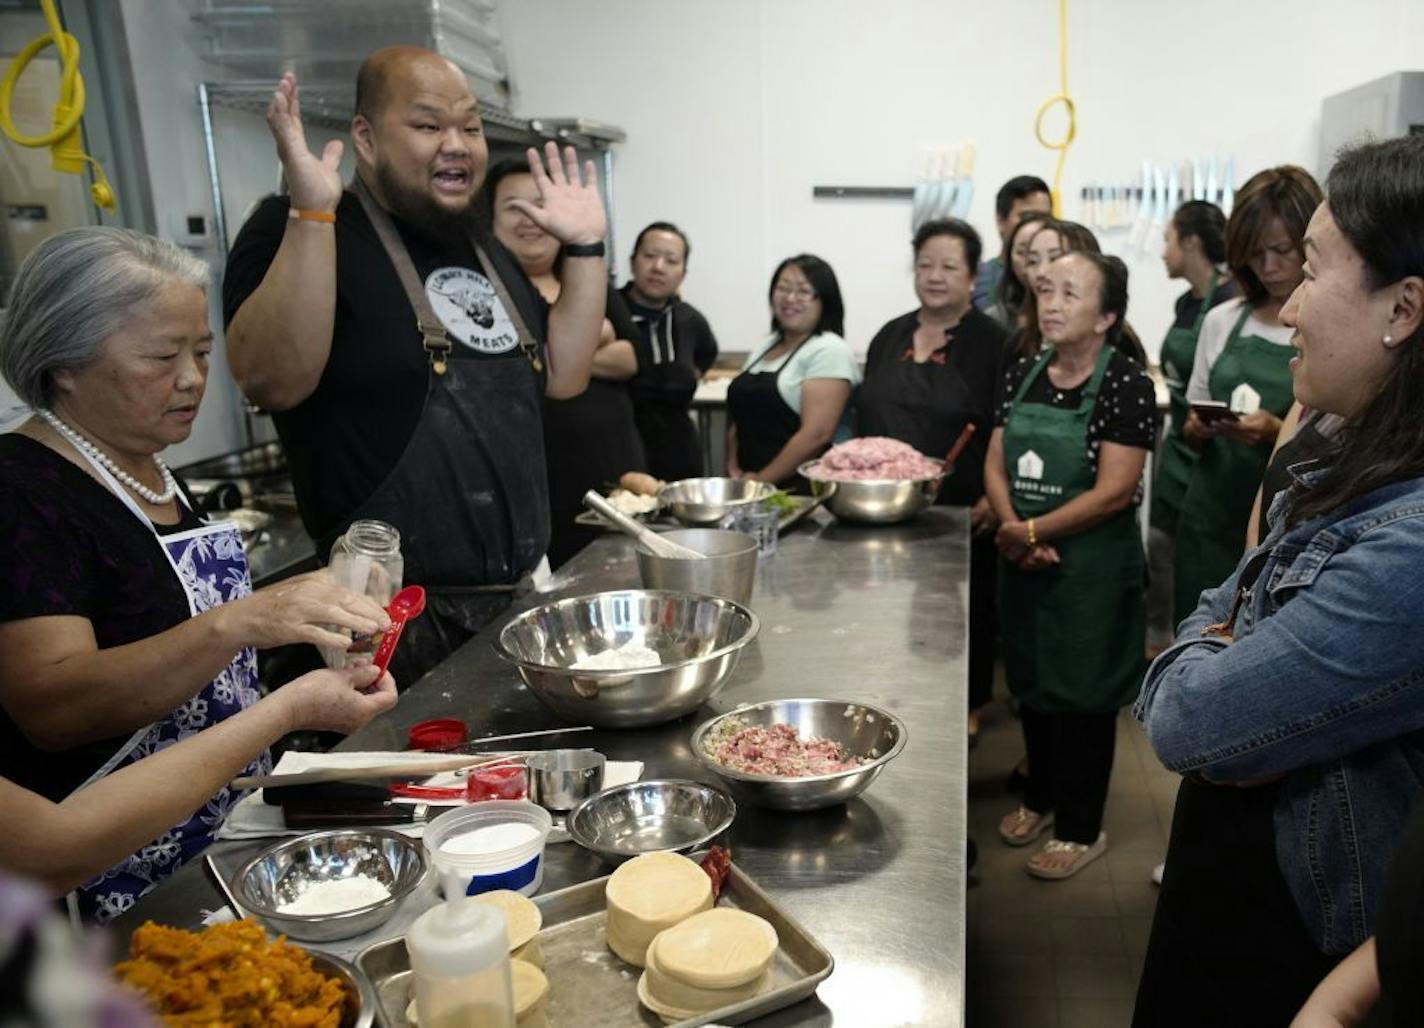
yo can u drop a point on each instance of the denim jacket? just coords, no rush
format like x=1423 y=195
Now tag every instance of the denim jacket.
x=1322 y=687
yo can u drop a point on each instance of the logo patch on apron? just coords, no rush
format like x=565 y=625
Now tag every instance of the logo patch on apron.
x=466 y=304
x=1030 y=465
x=1245 y=400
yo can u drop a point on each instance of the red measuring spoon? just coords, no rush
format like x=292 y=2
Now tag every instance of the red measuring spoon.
x=404 y=605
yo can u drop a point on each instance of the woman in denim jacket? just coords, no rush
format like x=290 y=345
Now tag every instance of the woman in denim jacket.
x=1293 y=700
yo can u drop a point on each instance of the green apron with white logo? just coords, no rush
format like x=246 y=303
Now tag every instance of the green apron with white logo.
x=1177 y=458
x=1211 y=530
x=1074 y=634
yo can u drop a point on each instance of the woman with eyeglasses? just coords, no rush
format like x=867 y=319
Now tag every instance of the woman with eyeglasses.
x=790 y=400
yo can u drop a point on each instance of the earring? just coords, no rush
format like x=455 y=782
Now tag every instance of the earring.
x=1389 y=343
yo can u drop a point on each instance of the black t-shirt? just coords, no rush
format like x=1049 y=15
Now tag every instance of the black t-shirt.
x=590 y=440
x=72 y=548
x=961 y=382
x=345 y=439
x=1188 y=306
x=675 y=345
x=1125 y=411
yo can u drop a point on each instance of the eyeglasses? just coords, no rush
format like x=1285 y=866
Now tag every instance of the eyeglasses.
x=794 y=292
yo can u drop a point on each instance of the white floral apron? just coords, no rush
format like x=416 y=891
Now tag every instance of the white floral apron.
x=211 y=566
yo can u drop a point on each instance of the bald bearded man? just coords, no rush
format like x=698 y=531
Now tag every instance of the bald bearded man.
x=402 y=351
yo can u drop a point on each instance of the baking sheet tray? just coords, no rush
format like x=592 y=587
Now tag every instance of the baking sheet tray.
x=660 y=522
x=589 y=987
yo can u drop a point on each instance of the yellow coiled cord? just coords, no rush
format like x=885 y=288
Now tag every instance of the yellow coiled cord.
x=64 y=137
x=1063 y=98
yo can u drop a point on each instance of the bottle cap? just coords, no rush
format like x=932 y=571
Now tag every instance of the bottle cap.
x=456 y=939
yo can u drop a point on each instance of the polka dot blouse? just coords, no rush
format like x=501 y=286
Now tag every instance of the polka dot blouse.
x=1125 y=412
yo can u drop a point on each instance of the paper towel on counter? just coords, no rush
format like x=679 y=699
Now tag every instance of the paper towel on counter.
x=251 y=818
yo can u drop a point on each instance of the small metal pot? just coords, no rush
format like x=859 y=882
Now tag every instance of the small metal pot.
x=727 y=569
x=560 y=780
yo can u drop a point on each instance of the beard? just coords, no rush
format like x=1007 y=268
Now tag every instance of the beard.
x=421 y=212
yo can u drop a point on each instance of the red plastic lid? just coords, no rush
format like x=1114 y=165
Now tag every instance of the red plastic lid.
x=441 y=733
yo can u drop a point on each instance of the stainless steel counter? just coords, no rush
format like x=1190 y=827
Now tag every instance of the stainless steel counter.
x=871 y=614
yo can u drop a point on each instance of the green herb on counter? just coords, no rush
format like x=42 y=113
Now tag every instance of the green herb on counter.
x=782 y=501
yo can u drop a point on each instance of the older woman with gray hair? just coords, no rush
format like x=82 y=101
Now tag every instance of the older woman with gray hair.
x=127 y=623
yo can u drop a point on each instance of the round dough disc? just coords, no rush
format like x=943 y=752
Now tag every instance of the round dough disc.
x=531 y=953
x=717 y=949
x=530 y=987
x=649 y=893
x=522 y=919
x=668 y=996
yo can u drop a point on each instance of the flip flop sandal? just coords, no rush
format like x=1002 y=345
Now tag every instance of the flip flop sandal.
x=1024 y=826
x=1082 y=854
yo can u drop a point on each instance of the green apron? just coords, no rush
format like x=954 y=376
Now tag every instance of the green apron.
x=1176 y=457
x=1074 y=635
x=1211 y=530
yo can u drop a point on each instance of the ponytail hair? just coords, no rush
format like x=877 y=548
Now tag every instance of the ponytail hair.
x=1204 y=222
x=1112 y=299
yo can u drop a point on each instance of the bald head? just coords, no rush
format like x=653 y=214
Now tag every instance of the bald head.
x=397 y=70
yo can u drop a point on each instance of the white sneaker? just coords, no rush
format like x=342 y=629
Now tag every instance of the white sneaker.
x=1157 y=873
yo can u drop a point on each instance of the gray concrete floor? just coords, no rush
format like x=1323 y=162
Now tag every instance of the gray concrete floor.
x=1068 y=953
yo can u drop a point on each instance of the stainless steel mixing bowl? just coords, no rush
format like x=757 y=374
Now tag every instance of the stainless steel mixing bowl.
x=875 y=501
x=281 y=873
x=703 y=501
x=699 y=639
x=860 y=729
x=727 y=569
x=644 y=817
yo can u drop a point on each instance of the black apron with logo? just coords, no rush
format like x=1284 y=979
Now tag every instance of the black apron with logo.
x=469 y=493
x=765 y=422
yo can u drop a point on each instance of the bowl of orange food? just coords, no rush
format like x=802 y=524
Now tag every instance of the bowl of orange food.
x=233 y=974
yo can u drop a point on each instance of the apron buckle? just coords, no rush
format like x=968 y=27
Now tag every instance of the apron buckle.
x=437 y=345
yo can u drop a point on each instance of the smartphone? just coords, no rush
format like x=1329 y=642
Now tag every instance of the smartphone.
x=1212 y=411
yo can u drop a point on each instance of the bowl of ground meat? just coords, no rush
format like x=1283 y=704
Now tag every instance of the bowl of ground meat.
x=874 y=480
x=801 y=754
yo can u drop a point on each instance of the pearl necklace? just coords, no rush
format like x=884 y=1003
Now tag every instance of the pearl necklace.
x=170 y=487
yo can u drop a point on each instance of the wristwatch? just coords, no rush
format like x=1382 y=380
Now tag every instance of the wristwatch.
x=585 y=249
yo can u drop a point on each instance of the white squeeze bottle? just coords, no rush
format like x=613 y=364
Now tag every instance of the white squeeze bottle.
x=459 y=953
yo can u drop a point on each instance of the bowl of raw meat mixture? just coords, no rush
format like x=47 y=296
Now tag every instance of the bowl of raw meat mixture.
x=874 y=480
x=799 y=754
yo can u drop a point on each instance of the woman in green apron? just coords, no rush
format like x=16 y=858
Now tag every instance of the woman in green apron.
x=1242 y=361
x=1195 y=249
x=1064 y=475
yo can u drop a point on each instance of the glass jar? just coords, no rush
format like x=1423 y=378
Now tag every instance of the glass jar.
x=366 y=560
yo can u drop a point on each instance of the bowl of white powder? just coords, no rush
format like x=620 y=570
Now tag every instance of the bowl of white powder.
x=332 y=884
x=630 y=658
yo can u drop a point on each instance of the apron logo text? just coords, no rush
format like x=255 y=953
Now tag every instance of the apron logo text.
x=466 y=304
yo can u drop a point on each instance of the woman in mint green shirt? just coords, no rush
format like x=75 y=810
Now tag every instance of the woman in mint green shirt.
x=791 y=398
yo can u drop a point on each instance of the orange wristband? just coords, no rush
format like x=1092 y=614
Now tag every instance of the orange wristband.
x=325 y=217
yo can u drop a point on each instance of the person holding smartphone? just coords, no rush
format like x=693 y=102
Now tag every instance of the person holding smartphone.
x=1240 y=387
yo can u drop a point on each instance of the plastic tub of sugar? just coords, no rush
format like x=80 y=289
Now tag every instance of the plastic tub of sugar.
x=497 y=844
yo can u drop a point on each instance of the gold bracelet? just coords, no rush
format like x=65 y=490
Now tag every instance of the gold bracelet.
x=1032 y=534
